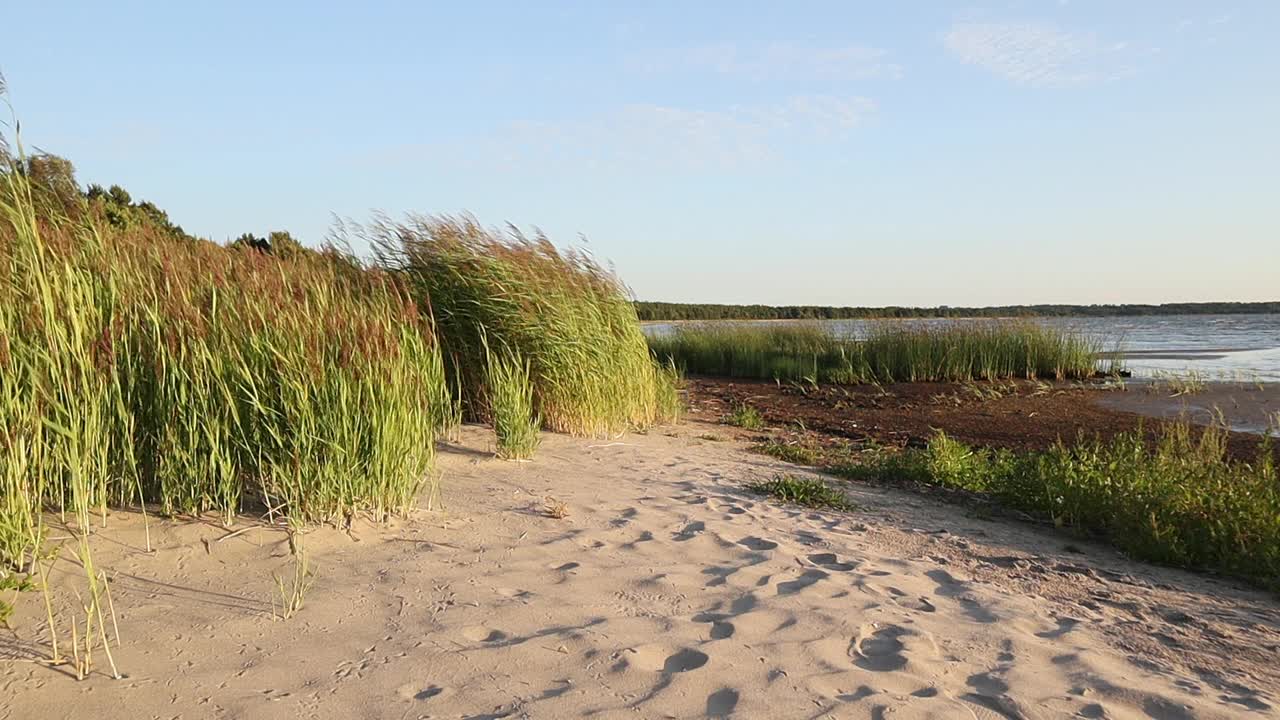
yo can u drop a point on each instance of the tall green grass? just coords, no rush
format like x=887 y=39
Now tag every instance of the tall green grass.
x=510 y=395
x=1178 y=501
x=139 y=367
x=562 y=312
x=987 y=350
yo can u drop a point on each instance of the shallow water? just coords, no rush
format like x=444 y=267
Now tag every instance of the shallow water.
x=1243 y=348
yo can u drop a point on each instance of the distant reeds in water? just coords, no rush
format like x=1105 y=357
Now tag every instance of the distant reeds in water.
x=570 y=319
x=980 y=350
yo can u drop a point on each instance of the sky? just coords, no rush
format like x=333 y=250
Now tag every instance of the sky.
x=848 y=153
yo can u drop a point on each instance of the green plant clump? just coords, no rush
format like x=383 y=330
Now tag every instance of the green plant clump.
x=1179 y=501
x=809 y=492
x=745 y=416
x=510 y=395
x=806 y=352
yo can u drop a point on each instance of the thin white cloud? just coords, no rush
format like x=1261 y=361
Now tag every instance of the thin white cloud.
x=777 y=60
x=654 y=136
x=649 y=134
x=1038 y=54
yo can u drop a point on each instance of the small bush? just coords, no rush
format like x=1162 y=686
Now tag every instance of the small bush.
x=809 y=492
x=745 y=416
x=1178 y=501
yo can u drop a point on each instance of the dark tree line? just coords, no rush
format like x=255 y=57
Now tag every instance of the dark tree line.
x=654 y=311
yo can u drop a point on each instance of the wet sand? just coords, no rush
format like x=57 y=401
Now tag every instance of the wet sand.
x=1246 y=407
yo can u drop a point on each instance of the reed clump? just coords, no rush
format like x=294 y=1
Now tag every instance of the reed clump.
x=563 y=313
x=891 y=352
x=141 y=367
x=510 y=395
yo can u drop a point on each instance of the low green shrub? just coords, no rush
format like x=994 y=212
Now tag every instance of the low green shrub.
x=809 y=492
x=746 y=417
x=1178 y=500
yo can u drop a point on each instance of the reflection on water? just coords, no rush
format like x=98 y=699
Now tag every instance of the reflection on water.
x=1244 y=348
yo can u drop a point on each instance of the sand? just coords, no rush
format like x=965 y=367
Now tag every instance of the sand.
x=667 y=592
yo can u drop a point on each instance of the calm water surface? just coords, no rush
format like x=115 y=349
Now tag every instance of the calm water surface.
x=1227 y=347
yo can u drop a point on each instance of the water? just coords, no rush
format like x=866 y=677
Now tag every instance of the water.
x=1219 y=347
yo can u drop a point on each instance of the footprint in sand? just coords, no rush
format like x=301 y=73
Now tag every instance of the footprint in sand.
x=807 y=578
x=901 y=599
x=684 y=661
x=831 y=562
x=949 y=586
x=690 y=531
x=1065 y=625
x=513 y=593
x=428 y=693
x=721 y=628
x=567 y=567
x=880 y=650
x=758 y=544
x=420 y=691
x=480 y=633
x=721 y=703
x=655 y=658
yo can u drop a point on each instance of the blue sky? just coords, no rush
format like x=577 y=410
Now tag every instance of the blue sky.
x=833 y=153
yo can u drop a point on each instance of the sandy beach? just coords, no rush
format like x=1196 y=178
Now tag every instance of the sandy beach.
x=667 y=592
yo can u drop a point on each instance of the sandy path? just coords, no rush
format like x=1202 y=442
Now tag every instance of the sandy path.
x=667 y=593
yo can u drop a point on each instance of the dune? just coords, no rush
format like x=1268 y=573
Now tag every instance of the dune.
x=666 y=591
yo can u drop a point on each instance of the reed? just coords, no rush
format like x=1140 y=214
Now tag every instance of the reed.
x=141 y=367
x=561 y=311
x=983 y=350
x=510 y=396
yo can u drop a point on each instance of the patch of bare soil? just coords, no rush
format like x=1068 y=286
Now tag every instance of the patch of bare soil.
x=1018 y=415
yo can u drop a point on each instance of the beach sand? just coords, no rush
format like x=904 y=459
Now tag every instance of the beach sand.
x=667 y=592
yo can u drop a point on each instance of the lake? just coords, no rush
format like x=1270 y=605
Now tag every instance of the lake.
x=1221 y=347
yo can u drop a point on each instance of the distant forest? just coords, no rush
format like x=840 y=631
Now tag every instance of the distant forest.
x=657 y=311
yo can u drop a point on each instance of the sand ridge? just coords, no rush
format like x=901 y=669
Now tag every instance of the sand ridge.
x=668 y=592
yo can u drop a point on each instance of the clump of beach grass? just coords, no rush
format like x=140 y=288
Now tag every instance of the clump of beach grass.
x=805 y=491
x=891 y=352
x=509 y=392
x=291 y=593
x=569 y=317
x=745 y=416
